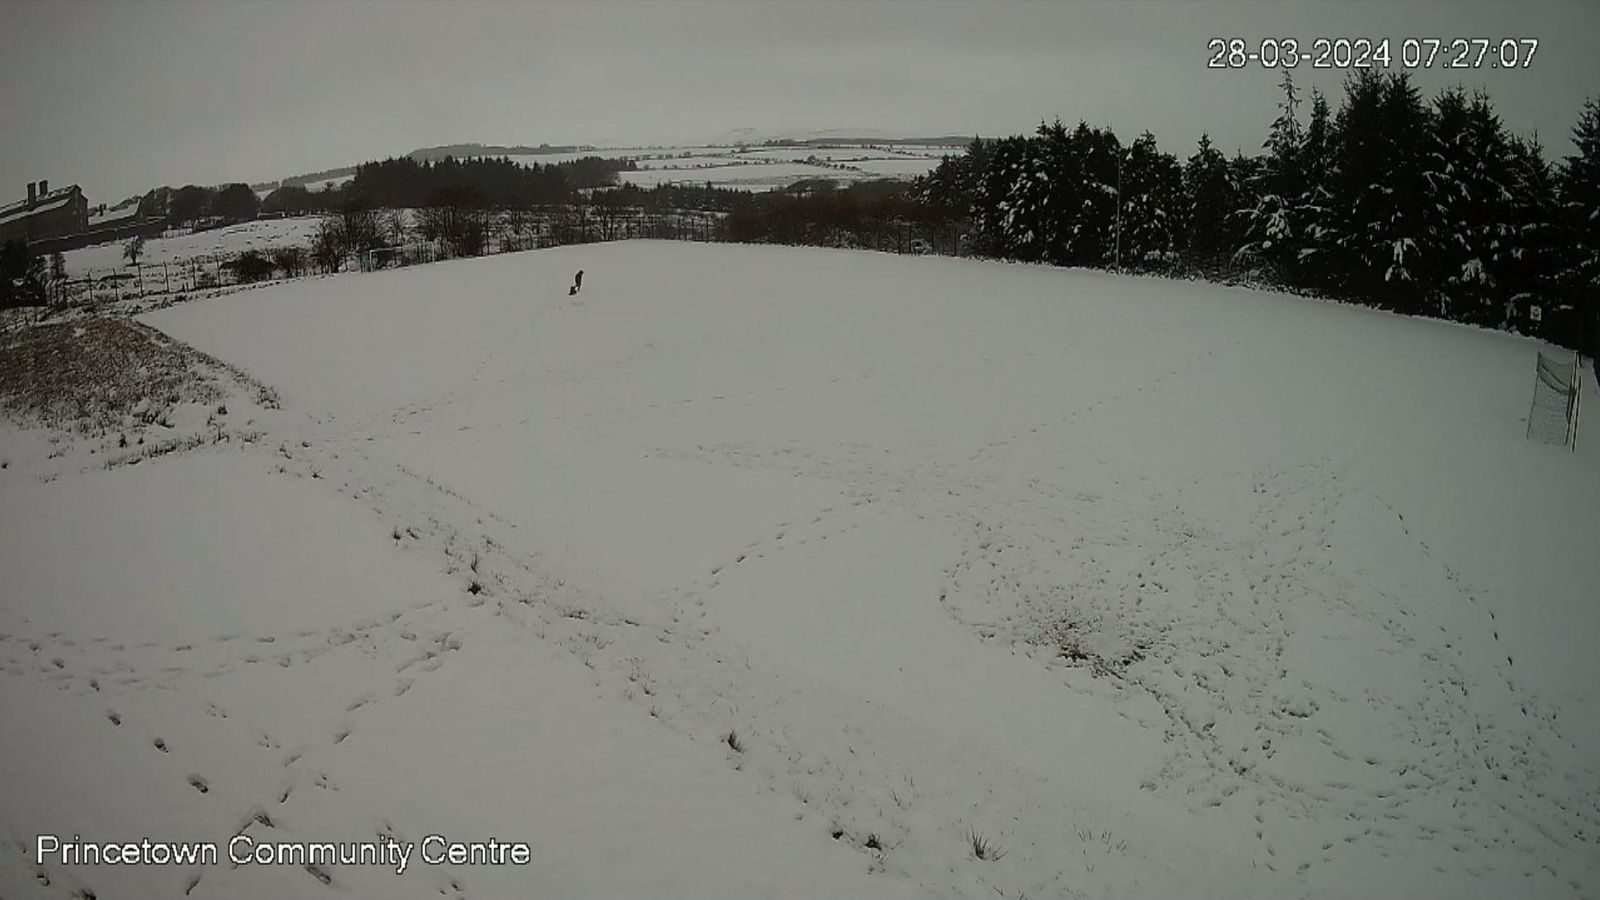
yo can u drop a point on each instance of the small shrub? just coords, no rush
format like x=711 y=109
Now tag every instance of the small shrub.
x=292 y=260
x=1073 y=650
x=982 y=847
x=251 y=266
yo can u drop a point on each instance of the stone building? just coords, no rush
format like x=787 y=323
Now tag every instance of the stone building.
x=45 y=214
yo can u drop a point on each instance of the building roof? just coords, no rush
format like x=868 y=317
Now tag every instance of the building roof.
x=110 y=217
x=53 y=200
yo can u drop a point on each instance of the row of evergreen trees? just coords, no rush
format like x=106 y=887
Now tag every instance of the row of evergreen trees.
x=479 y=183
x=1426 y=207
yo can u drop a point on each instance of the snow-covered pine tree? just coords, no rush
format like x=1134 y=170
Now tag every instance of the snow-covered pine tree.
x=1402 y=230
x=1091 y=238
x=1318 y=220
x=1026 y=224
x=1152 y=200
x=955 y=183
x=1532 y=261
x=1211 y=199
x=1007 y=158
x=1468 y=211
x=1580 y=204
x=1273 y=235
x=1378 y=189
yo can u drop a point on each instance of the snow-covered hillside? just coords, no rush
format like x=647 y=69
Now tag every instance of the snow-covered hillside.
x=264 y=234
x=757 y=571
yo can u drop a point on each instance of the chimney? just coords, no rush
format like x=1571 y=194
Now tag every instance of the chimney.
x=32 y=197
x=44 y=188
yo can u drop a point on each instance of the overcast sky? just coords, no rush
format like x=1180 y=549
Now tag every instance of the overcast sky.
x=123 y=96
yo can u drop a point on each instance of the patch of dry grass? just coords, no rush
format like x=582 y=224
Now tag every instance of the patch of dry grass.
x=98 y=374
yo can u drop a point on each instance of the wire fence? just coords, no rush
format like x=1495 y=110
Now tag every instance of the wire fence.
x=106 y=285
x=1553 y=414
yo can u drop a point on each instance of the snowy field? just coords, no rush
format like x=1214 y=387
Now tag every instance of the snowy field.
x=312 y=186
x=750 y=176
x=758 y=176
x=767 y=168
x=262 y=234
x=772 y=572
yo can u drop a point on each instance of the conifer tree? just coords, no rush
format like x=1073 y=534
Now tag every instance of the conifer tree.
x=1211 y=200
x=1319 y=233
x=1533 y=261
x=1580 y=197
x=1152 y=205
x=1274 y=225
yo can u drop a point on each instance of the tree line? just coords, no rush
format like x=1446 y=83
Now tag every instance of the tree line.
x=1422 y=206
x=236 y=202
x=394 y=183
x=482 y=183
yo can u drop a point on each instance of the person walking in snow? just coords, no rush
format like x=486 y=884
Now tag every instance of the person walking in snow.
x=577 y=283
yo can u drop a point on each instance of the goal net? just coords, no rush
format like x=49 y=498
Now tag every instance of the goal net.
x=1553 y=417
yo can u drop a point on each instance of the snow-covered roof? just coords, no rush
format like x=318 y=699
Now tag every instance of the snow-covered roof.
x=53 y=200
x=127 y=213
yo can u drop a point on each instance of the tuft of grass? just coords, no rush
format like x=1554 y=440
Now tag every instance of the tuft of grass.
x=982 y=847
x=734 y=741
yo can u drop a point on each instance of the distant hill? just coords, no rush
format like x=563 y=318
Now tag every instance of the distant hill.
x=947 y=141
x=461 y=151
x=818 y=137
x=426 y=154
x=744 y=136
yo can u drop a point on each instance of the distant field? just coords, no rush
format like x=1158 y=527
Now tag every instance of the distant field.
x=700 y=165
x=258 y=235
x=769 y=168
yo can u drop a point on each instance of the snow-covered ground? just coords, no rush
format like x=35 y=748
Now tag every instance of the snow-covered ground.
x=263 y=234
x=760 y=176
x=766 y=168
x=928 y=156
x=757 y=571
x=755 y=176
